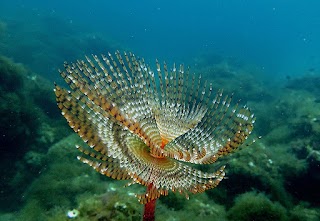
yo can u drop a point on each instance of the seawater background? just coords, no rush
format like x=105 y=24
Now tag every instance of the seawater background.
x=281 y=37
x=267 y=52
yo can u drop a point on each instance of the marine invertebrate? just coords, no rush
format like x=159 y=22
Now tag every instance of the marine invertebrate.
x=147 y=126
x=71 y=214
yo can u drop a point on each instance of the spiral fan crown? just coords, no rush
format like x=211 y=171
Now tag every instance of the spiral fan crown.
x=144 y=126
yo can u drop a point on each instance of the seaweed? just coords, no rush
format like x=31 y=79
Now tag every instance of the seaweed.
x=256 y=206
x=24 y=127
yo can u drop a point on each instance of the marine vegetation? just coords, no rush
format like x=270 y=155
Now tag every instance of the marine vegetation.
x=150 y=127
x=28 y=125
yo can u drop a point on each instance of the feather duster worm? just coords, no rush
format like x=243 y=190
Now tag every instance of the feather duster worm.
x=144 y=126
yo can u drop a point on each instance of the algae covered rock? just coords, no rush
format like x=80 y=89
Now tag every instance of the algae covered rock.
x=256 y=206
x=27 y=128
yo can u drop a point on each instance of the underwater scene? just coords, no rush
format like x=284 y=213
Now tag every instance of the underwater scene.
x=160 y=110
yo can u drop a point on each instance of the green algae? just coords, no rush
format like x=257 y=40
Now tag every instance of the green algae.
x=256 y=206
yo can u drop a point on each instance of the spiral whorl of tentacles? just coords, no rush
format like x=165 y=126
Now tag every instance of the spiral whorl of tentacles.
x=143 y=125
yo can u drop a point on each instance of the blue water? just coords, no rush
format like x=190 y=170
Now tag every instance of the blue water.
x=280 y=37
x=267 y=52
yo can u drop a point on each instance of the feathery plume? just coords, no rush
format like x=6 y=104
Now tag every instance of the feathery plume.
x=145 y=126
